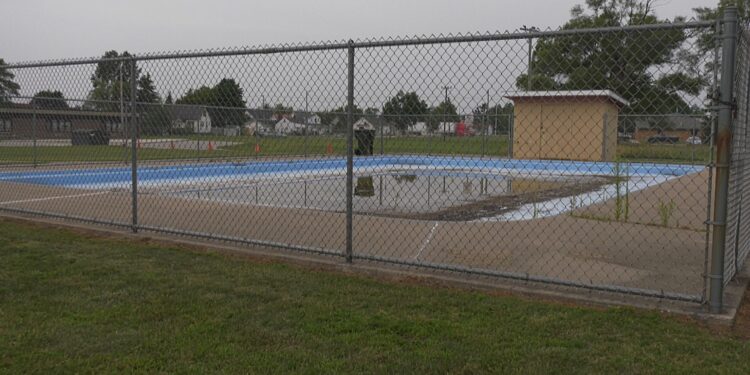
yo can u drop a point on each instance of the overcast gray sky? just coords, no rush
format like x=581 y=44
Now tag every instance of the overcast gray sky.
x=47 y=29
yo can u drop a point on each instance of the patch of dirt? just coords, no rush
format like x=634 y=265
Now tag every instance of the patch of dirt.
x=498 y=205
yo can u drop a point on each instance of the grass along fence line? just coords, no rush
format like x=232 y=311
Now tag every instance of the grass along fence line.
x=249 y=146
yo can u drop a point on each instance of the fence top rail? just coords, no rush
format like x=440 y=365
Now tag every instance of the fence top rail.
x=367 y=43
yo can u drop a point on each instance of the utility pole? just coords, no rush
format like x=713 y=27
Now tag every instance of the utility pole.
x=445 y=101
x=529 y=30
x=122 y=117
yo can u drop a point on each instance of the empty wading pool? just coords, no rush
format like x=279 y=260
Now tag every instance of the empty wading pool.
x=433 y=195
x=415 y=187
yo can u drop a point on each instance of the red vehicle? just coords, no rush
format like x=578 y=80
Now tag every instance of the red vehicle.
x=461 y=130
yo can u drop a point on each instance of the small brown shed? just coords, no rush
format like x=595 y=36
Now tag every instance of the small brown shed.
x=566 y=125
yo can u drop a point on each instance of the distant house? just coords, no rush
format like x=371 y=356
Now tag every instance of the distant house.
x=309 y=118
x=673 y=125
x=314 y=119
x=258 y=127
x=22 y=121
x=258 y=114
x=193 y=118
x=277 y=114
x=318 y=129
x=289 y=127
x=419 y=128
x=446 y=128
x=377 y=123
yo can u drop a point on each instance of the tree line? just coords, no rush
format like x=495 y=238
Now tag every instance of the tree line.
x=628 y=63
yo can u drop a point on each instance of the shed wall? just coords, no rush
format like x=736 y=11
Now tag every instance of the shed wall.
x=560 y=129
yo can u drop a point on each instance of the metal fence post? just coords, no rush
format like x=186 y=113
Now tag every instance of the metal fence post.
x=350 y=153
x=485 y=125
x=33 y=133
x=723 y=156
x=605 y=123
x=511 y=123
x=133 y=147
x=122 y=117
x=382 y=139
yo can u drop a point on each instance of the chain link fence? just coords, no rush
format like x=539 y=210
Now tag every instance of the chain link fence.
x=577 y=157
x=738 y=230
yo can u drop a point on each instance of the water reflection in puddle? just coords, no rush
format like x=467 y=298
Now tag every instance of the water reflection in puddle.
x=383 y=193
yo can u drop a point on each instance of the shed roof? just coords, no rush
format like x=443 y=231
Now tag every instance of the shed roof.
x=609 y=94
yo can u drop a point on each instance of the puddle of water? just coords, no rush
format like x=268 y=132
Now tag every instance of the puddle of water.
x=404 y=194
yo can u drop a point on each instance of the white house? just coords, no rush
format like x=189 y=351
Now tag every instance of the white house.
x=318 y=129
x=191 y=117
x=419 y=128
x=313 y=119
x=307 y=118
x=286 y=126
x=257 y=127
x=377 y=123
x=446 y=128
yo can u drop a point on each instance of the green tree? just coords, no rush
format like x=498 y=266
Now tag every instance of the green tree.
x=500 y=116
x=707 y=38
x=111 y=79
x=203 y=96
x=637 y=65
x=157 y=120
x=404 y=109
x=7 y=86
x=111 y=83
x=443 y=112
x=169 y=99
x=280 y=109
x=337 y=118
x=49 y=100
x=146 y=90
x=224 y=101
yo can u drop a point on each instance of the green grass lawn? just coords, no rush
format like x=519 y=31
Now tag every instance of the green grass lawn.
x=78 y=303
x=496 y=146
x=665 y=153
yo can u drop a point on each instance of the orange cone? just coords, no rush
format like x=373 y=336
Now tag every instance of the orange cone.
x=329 y=149
x=210 y=146
x=257 y=148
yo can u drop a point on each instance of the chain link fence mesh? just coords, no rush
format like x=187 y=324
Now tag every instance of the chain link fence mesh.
x=738 y=225
x=574 y=157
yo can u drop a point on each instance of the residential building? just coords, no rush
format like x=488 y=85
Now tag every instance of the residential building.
x=193 y=118
x=289 y=127
x=377 y=123
x=676 y=125
x=22 y=121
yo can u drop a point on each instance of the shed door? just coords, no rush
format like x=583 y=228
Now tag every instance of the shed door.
x=528 y=131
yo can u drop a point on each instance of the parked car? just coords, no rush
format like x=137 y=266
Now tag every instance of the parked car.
x=661 y=138
x=694 y=140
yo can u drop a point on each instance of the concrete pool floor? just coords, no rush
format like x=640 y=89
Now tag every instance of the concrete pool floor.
x=636 y=254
